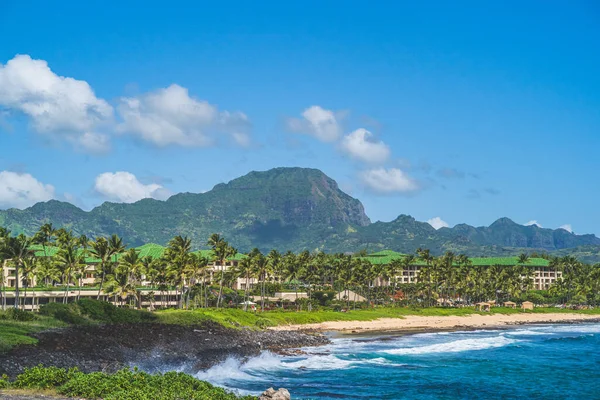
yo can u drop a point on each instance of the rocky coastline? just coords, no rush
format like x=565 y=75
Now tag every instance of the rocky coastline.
x=152 y=347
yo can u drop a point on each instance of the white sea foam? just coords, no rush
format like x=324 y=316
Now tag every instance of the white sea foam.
x=328 y=362
x=576 y=328
x=456 y=346
x=228 y=370
x=528 y=332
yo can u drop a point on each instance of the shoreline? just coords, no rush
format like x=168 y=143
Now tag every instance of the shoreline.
x=412 y=324
x=149 y=346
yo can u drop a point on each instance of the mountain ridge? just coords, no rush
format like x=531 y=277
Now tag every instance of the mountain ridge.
x=288 y=208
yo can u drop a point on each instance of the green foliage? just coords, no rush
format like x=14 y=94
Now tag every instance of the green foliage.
x=264 y=323
x=41 y=377
x=68 y=313
x=87 y=311
x=17 y=315
x=125 y=384
x=4 y=383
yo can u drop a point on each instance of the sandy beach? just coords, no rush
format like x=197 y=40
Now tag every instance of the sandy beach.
x=415 y=323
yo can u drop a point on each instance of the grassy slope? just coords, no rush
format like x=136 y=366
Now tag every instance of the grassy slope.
x=237 y=318
x=13 y=333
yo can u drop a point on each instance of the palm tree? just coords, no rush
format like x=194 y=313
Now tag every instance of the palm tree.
x=245 y=269
x=17 y=249
x=131 y=262
x=178 y=256
x=395 y=268
x=30 y=265
x=292 y=271
x=45 y=236
x=221 y=252
x=426 y=256
x=261 y=270
x=196 y=269
x=116 y=247
x=119 y=285
x=101 y=250
x=69 y=260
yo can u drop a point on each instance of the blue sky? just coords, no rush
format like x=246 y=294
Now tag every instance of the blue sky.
x=466 y=113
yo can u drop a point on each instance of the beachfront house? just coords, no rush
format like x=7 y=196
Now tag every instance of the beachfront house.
x=527 y=305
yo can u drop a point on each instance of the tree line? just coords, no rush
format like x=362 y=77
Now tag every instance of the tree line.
x=120 y=272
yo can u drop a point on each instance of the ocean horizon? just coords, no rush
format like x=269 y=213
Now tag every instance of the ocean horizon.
x=533 y=362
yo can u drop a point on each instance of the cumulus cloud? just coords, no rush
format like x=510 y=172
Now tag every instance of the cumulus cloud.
x=360 y=145
x=566 y=227
x=170 y=116
x=126 y=188
x=21 y=190
x=318 y=122
x=391 y=180
x=437 y=223
x=57 y=106
x=534 y=222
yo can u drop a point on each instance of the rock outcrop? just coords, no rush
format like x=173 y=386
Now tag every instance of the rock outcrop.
x=272 y=394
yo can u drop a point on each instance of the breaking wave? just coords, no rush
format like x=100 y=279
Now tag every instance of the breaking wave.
x=456 y=346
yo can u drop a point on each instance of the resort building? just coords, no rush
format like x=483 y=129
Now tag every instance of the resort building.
x=543 y=275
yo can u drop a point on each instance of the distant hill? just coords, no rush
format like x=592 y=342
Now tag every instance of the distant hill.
x=290 y=209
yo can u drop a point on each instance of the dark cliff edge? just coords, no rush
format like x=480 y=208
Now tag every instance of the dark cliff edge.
x=151 y=347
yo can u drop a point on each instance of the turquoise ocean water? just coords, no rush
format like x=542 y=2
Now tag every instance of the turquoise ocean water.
x=525 y=362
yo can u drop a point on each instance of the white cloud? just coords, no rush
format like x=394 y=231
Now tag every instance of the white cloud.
x=93 y=142
x=170 y=116
x=534 y=222
x=58 y=106
x=391 y=180
x=126 y=188
x=566 y=227
x=20 y=190
x=318 y=122
x=361 y=146
x=437 y=223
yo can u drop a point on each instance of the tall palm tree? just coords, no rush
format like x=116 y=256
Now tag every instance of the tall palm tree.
x=30 y=265
x=100 y=250
x=292 y=270
x=69 y=260
x=116 y=247
x=221 y=252
x=196 y=269
x=119 y=285
x=394 y=269
x=133 y=263
x=426 y=256
x=45 y=237
x=178 y=255
x=17 y=249
x=245 y=269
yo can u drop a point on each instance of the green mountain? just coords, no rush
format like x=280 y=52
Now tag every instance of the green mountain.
x=290 y=208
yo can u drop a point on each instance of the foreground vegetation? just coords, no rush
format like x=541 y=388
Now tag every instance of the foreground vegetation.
x=123 y=385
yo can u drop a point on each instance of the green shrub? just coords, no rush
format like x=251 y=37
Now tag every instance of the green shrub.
x=4 y=384
x=68 y=313
x=264 y=323
x=125 y=384
x=41 y=377
x=87 y=310
x=18 y=315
